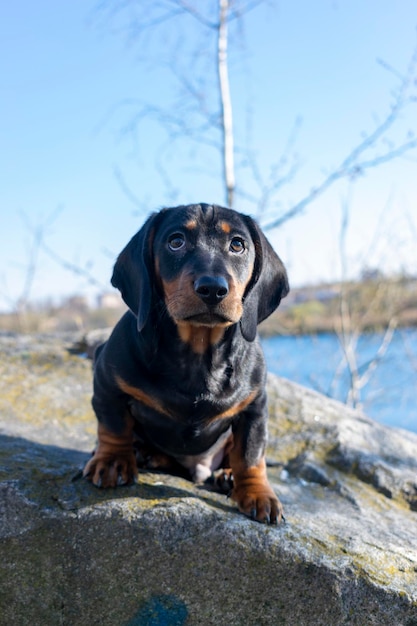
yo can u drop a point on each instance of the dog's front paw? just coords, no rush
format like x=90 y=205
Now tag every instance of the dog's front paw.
x=258 y=501
x=111 y=469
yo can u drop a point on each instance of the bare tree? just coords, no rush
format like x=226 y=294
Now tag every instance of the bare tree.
x=213 y=126
x=20 y=304
x=225 y=102
x=353 y=320
x=195 y=116
x=359 y=160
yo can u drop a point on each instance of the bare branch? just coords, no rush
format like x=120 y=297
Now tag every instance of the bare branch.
x=74 y=268
x=130 y=195
x=383 y=347
x=280 y=174
x=355 y=164
x=37 y=233
x=351 y=325
x=412 y=358
x=238 y=13
x=20 y=304
x=188 y=8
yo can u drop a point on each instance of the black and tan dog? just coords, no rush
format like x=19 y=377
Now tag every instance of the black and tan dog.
x=183 y=372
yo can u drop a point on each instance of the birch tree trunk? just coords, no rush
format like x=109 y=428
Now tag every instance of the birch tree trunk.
x=225 y=104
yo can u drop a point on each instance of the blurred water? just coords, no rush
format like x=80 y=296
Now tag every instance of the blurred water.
x=390 y=397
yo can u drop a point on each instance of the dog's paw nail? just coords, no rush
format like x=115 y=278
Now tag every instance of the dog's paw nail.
x=120 y=479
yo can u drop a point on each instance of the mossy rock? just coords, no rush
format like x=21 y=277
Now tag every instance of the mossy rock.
x=165 y=551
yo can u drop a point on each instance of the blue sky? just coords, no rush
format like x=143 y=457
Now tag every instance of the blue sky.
x=72 y=77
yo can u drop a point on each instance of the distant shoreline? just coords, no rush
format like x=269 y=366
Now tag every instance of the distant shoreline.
x=368 y=306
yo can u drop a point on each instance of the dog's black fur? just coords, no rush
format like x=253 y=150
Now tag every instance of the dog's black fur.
x=183 y=372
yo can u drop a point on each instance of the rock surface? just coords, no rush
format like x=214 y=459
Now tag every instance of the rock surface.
x=167 y=552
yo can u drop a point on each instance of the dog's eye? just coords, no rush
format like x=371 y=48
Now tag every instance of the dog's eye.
x=175 y=242
x=237 y=245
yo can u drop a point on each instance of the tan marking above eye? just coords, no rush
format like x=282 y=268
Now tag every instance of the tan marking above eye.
x=225 y=227
x=191 y=224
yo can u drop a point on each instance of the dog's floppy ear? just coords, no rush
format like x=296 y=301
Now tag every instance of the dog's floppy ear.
x=267 y=286
x=133 y=272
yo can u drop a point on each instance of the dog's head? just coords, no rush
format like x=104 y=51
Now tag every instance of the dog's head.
x=211 y=266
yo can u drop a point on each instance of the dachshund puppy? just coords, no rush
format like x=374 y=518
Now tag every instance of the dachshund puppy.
x=181 y=380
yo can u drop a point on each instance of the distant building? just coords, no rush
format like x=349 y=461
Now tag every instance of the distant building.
x=370 y=274
x=109 y=300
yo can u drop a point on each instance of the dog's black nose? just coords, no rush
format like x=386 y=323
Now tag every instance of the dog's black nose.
x=211 y=289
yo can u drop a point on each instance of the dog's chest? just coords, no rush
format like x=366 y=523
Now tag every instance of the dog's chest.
x=186 y=431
